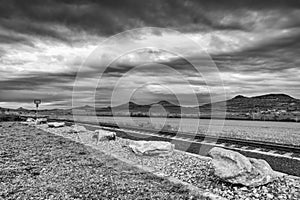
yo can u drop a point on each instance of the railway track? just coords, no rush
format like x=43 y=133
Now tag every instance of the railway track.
x=281 y=157
x=292 y=150
x=200 y=137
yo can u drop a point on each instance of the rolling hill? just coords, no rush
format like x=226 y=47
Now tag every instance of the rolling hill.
x=266 y=102
x=264 y=107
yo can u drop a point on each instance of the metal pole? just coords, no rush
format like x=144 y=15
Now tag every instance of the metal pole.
x=36 y=112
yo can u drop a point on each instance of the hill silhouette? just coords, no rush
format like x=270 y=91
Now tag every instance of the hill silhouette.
x=268 y=106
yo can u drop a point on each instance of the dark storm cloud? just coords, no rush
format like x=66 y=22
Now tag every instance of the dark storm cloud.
x=2 y=52
x=273 y=56
x=155 y=69
x=247 y=64
x=117 y=70
x=10 y=39
x=34 y=81
x=50 y=87
x=22 y=22
x=108 y=17
x=27 y=96
x=26 y=26
x=290 y=43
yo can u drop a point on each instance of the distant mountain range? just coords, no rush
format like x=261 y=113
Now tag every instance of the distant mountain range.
x=237 y=104
x=133 y=107
x=264 y=107
x=269 y=106
x=259 y=103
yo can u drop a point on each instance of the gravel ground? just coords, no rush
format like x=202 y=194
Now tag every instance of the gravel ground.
x=194 y=170
x=38 y=165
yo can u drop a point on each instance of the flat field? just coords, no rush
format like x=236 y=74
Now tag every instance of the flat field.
x=279 y=132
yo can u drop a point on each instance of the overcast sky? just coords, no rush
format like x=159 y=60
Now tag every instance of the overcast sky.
x=254 y=44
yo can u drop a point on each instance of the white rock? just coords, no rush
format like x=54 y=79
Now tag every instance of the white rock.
x=30 y=119
x=235 y=168
x=151 y=147
x=40 y=121
x=29 y=122
x=103 y=135
x=56 y=124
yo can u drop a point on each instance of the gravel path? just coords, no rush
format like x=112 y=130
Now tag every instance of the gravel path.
x=38 y=165
x=193 y=170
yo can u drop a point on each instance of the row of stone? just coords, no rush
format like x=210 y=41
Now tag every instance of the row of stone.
x=228 y=165
x=142 y=148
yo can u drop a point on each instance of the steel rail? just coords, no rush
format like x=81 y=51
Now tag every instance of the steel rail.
x=202 y=137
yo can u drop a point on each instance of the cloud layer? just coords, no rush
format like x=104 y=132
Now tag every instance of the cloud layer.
x=255 y=45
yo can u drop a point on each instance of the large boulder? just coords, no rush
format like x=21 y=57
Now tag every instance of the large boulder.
x=235 y=168
x=103 y=135
x=56 y=124
x=151 y=148
x=29 y=122
x=41 y=121
x=29 y=119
